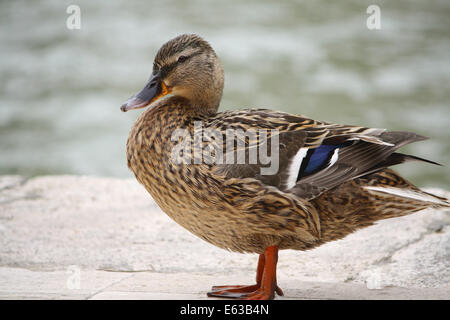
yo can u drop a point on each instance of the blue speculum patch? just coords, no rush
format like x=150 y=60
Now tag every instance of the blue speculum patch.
x=318 y=158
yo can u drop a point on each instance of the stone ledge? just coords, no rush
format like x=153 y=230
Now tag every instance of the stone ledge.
x=125 y=248
x=102 y=285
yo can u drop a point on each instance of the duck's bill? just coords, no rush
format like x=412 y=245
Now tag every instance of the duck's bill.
x=133 y=103
x=153 y=90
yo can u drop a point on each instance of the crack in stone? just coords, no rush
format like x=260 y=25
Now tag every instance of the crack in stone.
x=128 y=271
x=108 y=286
x=22 y=181
x=26 y=197
x=17 y=185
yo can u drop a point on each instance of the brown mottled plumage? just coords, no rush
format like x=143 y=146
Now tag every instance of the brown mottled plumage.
x=305 y=204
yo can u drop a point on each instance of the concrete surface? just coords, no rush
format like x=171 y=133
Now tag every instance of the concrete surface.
x=72 y=237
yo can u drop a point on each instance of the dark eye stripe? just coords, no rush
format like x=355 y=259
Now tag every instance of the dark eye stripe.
x=185 y=58
x=165 y=70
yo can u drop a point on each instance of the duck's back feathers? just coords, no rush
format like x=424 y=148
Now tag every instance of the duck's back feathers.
x=313 y=156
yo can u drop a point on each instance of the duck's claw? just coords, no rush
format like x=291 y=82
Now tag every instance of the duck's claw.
x=239 y=289
x=235 y=288
x=244 y=292
x=266 y=281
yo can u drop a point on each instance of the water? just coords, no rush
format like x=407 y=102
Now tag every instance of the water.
x=61 y=89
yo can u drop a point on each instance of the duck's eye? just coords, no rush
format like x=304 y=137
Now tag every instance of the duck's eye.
x=182 y=59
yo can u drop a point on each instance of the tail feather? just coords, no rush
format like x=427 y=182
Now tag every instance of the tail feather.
x=410 y=194
x=401 y=138
x=398 y=158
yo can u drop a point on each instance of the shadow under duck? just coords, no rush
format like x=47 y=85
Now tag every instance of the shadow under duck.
x=331 y=180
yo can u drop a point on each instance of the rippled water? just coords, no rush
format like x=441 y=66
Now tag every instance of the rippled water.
x=61 y=89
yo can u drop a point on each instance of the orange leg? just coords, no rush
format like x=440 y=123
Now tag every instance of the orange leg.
x=266 y=281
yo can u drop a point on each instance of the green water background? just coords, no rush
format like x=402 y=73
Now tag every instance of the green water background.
x=60 y=89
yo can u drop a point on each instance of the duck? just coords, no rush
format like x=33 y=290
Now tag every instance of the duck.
x=257 y=180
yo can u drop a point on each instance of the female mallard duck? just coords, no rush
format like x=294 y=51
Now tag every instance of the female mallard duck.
x=328 y=181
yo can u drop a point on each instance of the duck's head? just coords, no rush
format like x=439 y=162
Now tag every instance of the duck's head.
x=185 y=66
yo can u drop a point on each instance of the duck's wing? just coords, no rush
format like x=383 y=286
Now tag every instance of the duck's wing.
x=303 y=156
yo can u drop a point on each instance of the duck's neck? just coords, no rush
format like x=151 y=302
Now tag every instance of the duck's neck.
x=159 y=121
x=152 y=140
x=153 y=131
x=172 y=113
